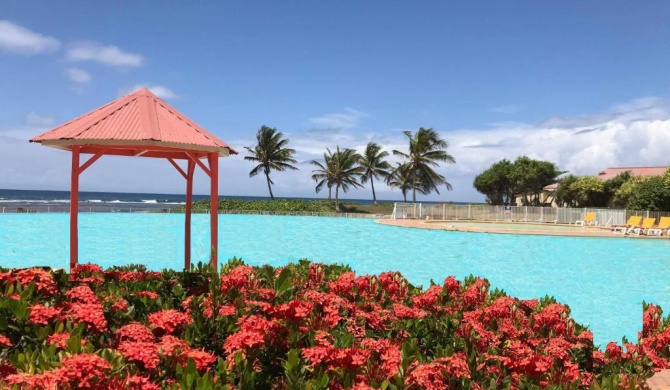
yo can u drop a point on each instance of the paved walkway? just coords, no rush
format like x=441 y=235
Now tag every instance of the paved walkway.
x=660 y=380
x=494 y=227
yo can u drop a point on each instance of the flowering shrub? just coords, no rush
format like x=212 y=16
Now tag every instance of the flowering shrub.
x=299 y=326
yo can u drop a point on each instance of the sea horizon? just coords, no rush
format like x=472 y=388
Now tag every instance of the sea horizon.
x=100 y=201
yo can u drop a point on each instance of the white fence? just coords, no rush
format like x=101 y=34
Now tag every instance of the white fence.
x=604 y=217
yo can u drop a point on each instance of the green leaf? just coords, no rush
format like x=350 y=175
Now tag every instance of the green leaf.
x=284 y=282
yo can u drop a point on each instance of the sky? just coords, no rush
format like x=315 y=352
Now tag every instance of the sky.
x=585 y=85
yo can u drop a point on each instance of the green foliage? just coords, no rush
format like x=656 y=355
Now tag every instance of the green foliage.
x=530 y=176
x=526 y=178
x=496 y=183
x=271 y=153
x=588 y=191
x=374 y=166
x=340 y=169
x=426 y=150
x=651 y=193
x=277 y=205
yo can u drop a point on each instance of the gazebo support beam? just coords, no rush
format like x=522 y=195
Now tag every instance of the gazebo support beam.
x=214 y=209
x=74 y=208
x=187 y=216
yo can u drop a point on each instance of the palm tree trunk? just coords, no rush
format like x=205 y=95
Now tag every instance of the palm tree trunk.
x=404 y=195
x=267 y=177
x=374 y=197
x=414 y=186
x=337 y=195
x=330 y=191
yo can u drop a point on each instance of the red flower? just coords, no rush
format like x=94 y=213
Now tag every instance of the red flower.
x=148 y=294
x=134 y=332
x=168 y=321
x=436 y=374
x=82 y=294
x=84 y=371
x=60 y=339
x=227 y=310
x=240 y=278
x=4 y=341
x=172 y=346
x=404 y=312
x=43 y=280
x=42 y=315
x=613 y=351
x=651 y=319
x=46 y=380
x=141 y=352
x=203 y=360
x=89 y=314
x=136 y=382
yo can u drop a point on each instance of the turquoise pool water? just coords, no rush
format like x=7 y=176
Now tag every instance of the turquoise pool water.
x=603 y=280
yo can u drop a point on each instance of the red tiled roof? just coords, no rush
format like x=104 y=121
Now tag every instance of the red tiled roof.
x=610 y=173
x=136 y=124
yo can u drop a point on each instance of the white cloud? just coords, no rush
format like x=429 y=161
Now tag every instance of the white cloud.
x=19 y=39
x=78 y=75
x=107 y=55
x=632 y=134
x=340 y=121
x=35 y=120
x=161 y=91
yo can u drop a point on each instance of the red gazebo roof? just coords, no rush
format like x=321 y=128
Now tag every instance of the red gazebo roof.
x=138 y=124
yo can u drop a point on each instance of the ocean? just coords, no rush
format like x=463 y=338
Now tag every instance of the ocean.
x=12 y=201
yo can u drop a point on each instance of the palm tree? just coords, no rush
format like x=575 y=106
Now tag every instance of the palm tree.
x=324 y=174
x=426 y=148
x=402 y=177
x=271 y=153
x=374 y=166
x=340 y=171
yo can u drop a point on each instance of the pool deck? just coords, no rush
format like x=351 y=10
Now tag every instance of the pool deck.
x=577 y=231
x=660 y=380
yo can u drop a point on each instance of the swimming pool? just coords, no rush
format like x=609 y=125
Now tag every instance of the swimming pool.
x=603 y=280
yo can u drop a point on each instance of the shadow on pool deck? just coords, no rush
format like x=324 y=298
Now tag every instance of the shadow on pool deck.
x=532 y=228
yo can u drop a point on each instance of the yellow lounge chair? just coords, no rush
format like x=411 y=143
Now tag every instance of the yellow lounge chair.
x=647 y=224
x=663 y=224
x=633 y=222
x=589 y=219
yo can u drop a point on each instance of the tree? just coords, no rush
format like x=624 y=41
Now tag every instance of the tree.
x=529 y=177
x=426 y=149
x=341 y=170
x=374 y=165
x=323 y=175
x=645 y=193
x=402 y=177
x=496 y=183
x=588 y=191
x=564 y=195
x=270 y=153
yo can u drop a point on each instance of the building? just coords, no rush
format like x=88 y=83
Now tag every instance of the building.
x=547 y=196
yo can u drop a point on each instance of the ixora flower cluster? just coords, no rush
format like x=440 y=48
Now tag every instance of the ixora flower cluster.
x=303 y=326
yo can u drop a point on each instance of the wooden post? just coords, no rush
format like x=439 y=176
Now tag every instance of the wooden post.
x=214 y=209
x=74 y=207
x=187 y=215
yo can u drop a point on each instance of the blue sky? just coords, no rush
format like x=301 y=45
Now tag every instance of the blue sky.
x=584 y=84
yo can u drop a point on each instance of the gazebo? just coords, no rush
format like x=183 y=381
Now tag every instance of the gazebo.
x=141 y=125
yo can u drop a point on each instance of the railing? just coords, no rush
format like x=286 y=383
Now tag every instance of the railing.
x=603 y=217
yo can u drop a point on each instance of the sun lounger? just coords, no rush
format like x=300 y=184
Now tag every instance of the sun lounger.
x=589 y=219
x=663 y=225
x=647 y=224
x=633 y=222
